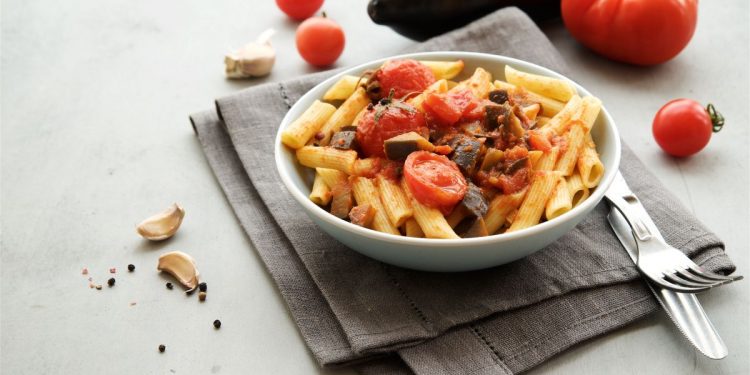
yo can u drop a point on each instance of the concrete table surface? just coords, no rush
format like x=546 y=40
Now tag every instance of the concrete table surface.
x=95 y=137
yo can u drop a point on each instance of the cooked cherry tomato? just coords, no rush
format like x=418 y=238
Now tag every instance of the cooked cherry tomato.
x=387 y=121
x=320 y=41
x=683 y=127
x=641 y=32
x=446 y=109
x=538 y=141
x=299 y=9
x=404 y=77
x=434 y=180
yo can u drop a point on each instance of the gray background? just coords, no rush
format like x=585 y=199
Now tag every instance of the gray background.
x=95 y=137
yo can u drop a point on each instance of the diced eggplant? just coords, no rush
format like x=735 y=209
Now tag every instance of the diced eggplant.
x=342 y=201
x=474 y=201
x=496 y=115
x=499 y=96
x=348 y=128
x=344 y=140
x=491 y=157
x=473 y=128
x=466 y=151
x=400 y=146
x=474 y=227
x=362 y=215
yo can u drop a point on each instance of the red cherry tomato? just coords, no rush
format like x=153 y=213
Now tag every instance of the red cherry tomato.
x=447 y=109
x=404 y=77
x=683 y=127
x=299 y=9
x=320 y=41
x=387 y=121
x=641 y=32
x=434 y=180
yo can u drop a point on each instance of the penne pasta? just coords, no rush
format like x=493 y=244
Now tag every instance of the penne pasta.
x=551 y=87
x=365 y=192
x=332 y=177
x=480 y=83
x=395 y=202
x=559 y=203
x=327 y=157
x=576 y=189
x=455 y=217
x=412 y=229
x=343 y=88
x=559 y=122
x=344 y=115
x=302 y=129
x=574 y=139
x=431 y=220
x=445 y=69
x=533 y=205
x=535 y=156
x=590 y=167
x=550 y=107
x=321 y=193
x=590 y=107
x=499 y=209
x=547 y=161
x=531 y=111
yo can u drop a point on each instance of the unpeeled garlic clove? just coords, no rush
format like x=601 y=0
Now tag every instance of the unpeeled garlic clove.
x=253 y=60
x=181 y=266
x=162 y=225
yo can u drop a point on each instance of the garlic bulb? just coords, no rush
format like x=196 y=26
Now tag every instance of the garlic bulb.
x=253 y=60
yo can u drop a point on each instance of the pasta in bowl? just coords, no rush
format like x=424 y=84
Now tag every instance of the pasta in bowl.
x=447 y=161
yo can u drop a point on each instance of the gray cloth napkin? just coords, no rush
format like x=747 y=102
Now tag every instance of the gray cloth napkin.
x=354 y=310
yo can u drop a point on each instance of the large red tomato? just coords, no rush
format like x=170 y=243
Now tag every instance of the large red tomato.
x=641 y=32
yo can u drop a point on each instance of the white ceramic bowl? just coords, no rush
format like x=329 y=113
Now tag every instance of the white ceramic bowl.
x=438 y=254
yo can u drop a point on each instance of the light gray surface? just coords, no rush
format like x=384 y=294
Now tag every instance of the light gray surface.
x=95 y=97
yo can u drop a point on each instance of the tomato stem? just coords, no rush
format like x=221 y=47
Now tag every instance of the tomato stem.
x=716 y=118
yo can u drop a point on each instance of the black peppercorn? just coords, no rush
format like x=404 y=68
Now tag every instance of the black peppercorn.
x=111 y=281
x=170 y=286
x=131 y=267
x=217 y=323
x=162 y=348
x=203 y=287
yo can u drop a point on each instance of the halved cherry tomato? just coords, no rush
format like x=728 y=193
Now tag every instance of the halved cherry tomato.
x=446 y=109
x=383 y=122
x=683 y=127
x=538 y=141
x=404 y=77
x=434 y=180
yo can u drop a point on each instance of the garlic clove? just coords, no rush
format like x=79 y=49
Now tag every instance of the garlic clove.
x=162 y=225
x=181 y=266
x=255 y=59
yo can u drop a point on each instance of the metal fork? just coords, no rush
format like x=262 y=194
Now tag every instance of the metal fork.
x=657 y=260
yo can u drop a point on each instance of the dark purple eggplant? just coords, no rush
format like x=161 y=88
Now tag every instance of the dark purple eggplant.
x=423 y=19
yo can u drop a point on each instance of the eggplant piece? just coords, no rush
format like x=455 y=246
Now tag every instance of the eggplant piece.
x=344 y=140
x=348 y=128
x=342 y=201
x=499 y=96
x=400 y=146
x=491 y=157
x=474 y=129
x=474 y=201
x=465 y=152
x=362 y=215
x=474 y=227
x=422 y=19
x=493 y=113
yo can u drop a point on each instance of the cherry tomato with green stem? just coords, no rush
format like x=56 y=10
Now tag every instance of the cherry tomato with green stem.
x=683 y=127
x=320 y=41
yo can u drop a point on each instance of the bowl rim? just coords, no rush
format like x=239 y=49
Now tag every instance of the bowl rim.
x=322 y=214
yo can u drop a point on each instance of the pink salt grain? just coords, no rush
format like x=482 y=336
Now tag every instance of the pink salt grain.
x=112 y=270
